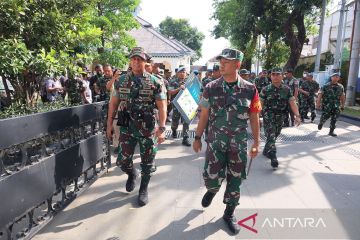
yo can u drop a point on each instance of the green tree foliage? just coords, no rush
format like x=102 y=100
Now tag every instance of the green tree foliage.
x=181 y=30
x=41 y=38
x=280 y=23
x=114 y=18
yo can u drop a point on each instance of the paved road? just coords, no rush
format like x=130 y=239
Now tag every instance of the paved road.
x=317 y=173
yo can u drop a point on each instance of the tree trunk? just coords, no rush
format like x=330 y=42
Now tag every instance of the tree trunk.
x=7 y=91
x=100 y=13
x=295 y=41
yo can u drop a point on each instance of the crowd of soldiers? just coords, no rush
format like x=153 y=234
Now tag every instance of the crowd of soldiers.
x=141 y=98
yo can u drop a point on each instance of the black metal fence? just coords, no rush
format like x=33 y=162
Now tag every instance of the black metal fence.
x=41 y=156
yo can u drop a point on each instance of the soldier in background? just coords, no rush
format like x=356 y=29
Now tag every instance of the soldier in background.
x=98 y=74
x=216 y=72
x=262 y=80
x=245 y=74
x=293 y=84
x=275 y=98
x=332 y=99
x=139 y=93
x=252 y=77
x=175 y=85
x=101 y=86
x=74 y=88
x=224 y=100
x=308 y=92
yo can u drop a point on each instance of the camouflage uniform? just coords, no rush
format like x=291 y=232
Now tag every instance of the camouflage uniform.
x=174 y=84
x=275 y=103
x=226 y=154
x=331 y=94
x=260 y=83
x=74 y=87
x=104 y=93
x=308 y=102
x=93 y=80
x=293 y=84
x=137 y=96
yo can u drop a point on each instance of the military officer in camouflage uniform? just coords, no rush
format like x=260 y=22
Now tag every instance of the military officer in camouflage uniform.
x=227 y=104
x=262 y=80
x=101 y=88
x=245 y=74
x=215 y=75
x=139 y=93
x=94 y=79
x=175 y=85
x=74 y=87
x=275 y=99
x=293 y=84
x=308 y=91
x=332 y=97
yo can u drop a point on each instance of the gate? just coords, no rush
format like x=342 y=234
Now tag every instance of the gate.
x=45 y=159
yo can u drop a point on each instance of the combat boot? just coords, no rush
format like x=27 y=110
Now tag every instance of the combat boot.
x=207 y=198
x=186 y=142
x=174 y=134
x=274 y=161
x=313 y=116
x=331 y=133
x=320 y=126
x=130 y=183
x=266 y=154
x=230 y=219
x=143 y=192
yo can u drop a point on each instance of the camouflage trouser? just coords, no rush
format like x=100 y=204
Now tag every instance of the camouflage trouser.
x=127 y=144
x=225 y=161
x=307 y=104
x=272 y=128
x=175 y=123
x=286 y=118
x=333 y=114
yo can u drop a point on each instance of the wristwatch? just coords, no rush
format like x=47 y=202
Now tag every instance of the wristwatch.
x=198 y=138
x=162 y=129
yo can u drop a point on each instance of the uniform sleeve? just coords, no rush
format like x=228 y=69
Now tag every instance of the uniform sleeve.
x=204 y=102
x=117 y=84
x=296 y=84
x=290 y=96
x=342 y=90
x=263 y=94
x=161 y=93
x=255 y=106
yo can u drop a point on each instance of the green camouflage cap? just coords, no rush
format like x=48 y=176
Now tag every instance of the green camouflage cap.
x=244 y=71
x=140 y=52
x=231 y=54
x=216 y=67
x=276 y=70
x=335 y=74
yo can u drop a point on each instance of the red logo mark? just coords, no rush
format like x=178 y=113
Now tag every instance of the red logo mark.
x=253 y=217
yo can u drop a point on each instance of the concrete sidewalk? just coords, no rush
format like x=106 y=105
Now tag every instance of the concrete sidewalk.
x=316 y=172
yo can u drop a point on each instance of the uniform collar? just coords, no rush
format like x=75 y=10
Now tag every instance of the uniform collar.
x=239 y=84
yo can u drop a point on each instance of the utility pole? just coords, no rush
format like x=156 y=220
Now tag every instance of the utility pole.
x=321 y=33
x=354 y=59
x=338 y=39
x=343 y=36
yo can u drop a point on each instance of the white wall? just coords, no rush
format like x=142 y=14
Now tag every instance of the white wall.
x=175 y=62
